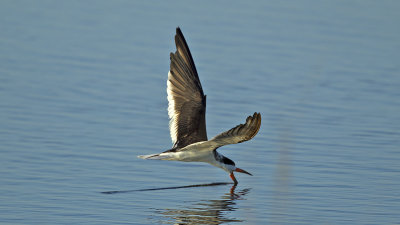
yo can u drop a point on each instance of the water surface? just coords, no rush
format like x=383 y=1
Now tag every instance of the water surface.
x=83 y=92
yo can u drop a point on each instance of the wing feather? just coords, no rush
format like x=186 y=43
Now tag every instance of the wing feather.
x=240 y=133
x=186 y=100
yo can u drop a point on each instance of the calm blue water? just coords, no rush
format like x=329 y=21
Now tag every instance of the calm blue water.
x=82 y=93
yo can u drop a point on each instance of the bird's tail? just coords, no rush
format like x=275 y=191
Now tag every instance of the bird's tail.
x=155 y=156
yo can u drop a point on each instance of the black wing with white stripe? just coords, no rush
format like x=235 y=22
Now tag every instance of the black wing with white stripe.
x=186 y=100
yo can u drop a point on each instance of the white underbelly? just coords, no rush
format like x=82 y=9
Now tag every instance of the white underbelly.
x=189 y=156
x=198 y=152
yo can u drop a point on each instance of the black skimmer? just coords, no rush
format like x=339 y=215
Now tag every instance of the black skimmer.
x=187 y=109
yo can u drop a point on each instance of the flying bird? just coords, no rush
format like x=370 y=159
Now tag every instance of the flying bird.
x=187 y=110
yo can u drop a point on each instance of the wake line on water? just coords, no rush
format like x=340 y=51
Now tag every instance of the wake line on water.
x=166 y=188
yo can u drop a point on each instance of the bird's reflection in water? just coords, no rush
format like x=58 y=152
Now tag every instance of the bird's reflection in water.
x=205 y=211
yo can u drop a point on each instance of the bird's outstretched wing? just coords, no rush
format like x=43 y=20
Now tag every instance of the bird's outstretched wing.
x=186 y=100
x=240 y=133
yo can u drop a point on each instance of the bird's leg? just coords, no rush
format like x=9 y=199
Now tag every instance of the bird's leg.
x=233 y=190
x=233 y=178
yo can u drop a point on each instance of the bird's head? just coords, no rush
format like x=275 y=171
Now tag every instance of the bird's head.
x=229 y=166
